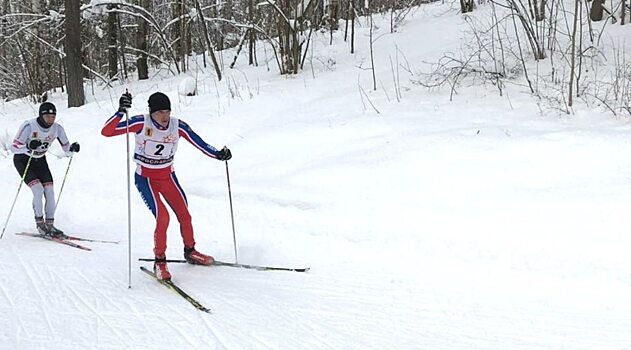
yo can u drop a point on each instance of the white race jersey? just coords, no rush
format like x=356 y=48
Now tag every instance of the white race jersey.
x=155 y=148
x=31 y=130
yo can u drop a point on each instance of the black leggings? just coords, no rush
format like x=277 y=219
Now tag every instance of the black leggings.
x=37 y=170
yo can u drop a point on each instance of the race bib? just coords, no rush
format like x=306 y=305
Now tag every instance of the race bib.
x=155 y=149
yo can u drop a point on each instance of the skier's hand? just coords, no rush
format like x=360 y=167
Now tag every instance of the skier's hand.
x=75 y=147
x=124 y=103
x=34 y=144
x=224 y=154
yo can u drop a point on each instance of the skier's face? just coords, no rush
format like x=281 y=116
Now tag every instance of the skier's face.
x=162 y=117
x=49 y=118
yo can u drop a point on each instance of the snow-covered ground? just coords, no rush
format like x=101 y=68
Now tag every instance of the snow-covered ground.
x=473 y=224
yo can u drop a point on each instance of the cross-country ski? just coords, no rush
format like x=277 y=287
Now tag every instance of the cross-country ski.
x=244 y=266
x=60 y=240
x=172 y=286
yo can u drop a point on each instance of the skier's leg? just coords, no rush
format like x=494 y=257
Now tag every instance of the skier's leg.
x=43 y=174
x=176 y=198
x=38 y=195
x=150 y=193
x=49 y=194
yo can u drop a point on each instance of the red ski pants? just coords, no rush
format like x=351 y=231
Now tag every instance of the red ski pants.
x=150 y=190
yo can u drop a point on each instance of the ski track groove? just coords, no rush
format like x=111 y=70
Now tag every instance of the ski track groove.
x=265 y=344
x=233 y=305
x=20 y=328
x=98 y=290
x=175 y=308
x=177 y=329
x=283 y=314
x=215 y=333
x=137 y=314
x=41 y=297
x=240 y=308
x=184 y=334
x=243 y=306
x=79 y=297
x=6 y=295
x=316 y=329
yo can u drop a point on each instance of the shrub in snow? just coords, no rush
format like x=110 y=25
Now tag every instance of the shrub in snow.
x=188 y=87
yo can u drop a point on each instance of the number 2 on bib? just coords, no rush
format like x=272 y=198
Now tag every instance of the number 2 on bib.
x=158 y=149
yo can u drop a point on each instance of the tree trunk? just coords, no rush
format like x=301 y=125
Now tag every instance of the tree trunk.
x=225 y=12
x=251 y=35
x=211 y=51
x=176 y=31
x=573 y=54
x=541 y=15
x=141 y=43
x=352 y=26
x=37 y=60
x=333 y=13
x=112 y=48
x=467 y=6
x=72 y=43
x=185 y=38
x=596 y=12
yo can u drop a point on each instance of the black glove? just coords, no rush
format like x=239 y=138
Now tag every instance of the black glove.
x=124 y=103
x=75 y=147
x=34 y=144
x=224 y=154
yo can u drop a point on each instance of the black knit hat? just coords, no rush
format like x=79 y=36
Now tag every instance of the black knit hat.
x=47 y=108
x=158 y=102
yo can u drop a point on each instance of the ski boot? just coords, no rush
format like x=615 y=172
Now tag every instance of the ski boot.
x=53 y=231
x=192 y=256
x=160 y=268
x=42 y=228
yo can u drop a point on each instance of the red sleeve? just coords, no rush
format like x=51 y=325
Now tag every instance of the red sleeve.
x=114 y=126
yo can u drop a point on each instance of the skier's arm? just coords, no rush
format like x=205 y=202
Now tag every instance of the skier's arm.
x=63 y=139
x=114 y=126
x=186 y=132
x=19 y=142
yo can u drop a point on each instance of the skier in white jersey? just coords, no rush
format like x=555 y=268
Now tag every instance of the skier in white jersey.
x=156 y=139
x=32 y=141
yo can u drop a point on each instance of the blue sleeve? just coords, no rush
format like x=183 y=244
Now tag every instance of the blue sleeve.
x=195 y=140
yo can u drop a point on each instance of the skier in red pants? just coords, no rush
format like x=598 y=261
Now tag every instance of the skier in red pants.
x=156 y=136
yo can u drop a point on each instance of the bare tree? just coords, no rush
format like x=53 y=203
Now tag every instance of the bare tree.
x=333 y=14
x=251 y=35
x=112 y=42
x=211 y=50
x=467 y=6
x=76 y=96
x=573 y=52
x=141 y=43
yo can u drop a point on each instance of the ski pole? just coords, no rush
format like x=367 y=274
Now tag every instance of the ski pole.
x=28 y=163
x=128 y=196
x=234 y=236
x=64 y=181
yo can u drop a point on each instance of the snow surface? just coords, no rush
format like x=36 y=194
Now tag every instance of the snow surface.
x=475 y=224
